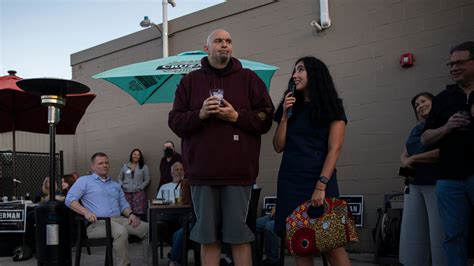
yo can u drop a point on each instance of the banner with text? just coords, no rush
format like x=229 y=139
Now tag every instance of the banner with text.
x=12 y=217
x=356 y=206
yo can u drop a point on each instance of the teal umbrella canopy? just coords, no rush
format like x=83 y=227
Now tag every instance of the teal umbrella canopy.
x=156 y=81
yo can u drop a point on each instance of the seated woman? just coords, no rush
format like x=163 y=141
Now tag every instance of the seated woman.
x=44 y=195
x=67 y=181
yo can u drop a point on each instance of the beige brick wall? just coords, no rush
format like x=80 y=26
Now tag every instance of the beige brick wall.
x=362 y=49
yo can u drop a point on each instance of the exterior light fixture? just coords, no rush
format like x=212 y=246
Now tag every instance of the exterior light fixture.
x=146 y=22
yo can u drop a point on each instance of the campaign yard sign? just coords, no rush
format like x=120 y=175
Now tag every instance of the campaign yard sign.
x=12 y=217
x=268 y=203
x=356 y=206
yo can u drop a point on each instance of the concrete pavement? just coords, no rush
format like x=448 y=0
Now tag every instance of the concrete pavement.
x=98 y=255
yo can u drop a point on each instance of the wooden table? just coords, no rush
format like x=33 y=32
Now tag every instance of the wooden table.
x=185 y=213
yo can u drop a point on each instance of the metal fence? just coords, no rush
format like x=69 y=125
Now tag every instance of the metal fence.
x=31 y=169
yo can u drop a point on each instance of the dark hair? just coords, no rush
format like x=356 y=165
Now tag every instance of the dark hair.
x=324 y=100
x=98 y=154
x=428 y=95
x=70 y=180
x=465 y=46
x=141 y=161
x=169 y=141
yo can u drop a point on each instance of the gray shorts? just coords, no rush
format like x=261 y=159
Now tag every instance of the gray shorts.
x=221 y=213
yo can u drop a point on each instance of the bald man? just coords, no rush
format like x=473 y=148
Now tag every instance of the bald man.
x=221 y=146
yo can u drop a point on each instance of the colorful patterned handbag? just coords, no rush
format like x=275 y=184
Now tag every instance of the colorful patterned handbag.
x=309 y=232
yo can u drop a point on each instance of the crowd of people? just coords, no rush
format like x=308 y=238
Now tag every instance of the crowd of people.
x=124 y=197
x=221 y=141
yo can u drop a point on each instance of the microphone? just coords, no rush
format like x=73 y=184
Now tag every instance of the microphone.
x=290 y=110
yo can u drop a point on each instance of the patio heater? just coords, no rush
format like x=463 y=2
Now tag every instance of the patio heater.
x=52 y=218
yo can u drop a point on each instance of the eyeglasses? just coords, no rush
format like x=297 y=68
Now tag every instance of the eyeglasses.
x=458 y=62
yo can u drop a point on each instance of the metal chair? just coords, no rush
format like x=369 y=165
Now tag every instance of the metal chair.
x=252 y=223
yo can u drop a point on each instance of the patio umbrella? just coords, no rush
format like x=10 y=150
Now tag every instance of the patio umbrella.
x=156 y=81
x=23 y=111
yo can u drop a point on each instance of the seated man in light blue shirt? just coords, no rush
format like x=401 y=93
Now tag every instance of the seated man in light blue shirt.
x=97 y=195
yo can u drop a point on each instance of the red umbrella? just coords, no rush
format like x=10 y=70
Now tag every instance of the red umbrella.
x=23 y=111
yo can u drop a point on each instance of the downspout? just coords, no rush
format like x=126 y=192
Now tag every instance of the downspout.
x=324 y=19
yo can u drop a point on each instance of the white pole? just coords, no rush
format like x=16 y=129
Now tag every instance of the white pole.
x=324 y=9
x=165 y=28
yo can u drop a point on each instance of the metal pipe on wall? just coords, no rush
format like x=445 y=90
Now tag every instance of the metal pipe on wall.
x=165 y=28
x=324 y=14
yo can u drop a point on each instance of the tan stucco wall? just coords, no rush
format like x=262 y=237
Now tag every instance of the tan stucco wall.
x=362 y=49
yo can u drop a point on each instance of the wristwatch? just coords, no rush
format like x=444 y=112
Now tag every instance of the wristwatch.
x=323 y=180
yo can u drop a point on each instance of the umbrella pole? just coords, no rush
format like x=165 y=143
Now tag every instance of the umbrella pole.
x=14 y=160
x=14 y=180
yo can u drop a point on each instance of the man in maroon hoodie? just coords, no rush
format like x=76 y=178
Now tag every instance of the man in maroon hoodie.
x=221 y=146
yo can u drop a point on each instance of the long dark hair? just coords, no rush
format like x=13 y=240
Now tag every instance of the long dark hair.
x=325 y=103
x=70 y=180
x=141 y=161
x=428 y=95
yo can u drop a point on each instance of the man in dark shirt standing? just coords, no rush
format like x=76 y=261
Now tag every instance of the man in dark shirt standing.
x=170 y=156
x=221 y=146
x=450 y=126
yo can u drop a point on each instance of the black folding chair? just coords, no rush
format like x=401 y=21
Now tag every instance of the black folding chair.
x=252 y=223
x=84 y=241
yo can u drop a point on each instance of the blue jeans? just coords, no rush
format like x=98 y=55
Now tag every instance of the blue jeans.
x=177 y=245
x=455 y=203
x=266 y=225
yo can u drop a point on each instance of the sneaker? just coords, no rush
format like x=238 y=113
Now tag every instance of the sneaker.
x=225 y=261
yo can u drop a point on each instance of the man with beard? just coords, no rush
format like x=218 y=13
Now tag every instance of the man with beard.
x=221 y=146
x=450 y=126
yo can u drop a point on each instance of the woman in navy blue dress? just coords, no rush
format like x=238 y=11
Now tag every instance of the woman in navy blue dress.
x=311 y=125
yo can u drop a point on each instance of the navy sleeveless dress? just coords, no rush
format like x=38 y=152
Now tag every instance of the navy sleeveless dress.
x=305 y=150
